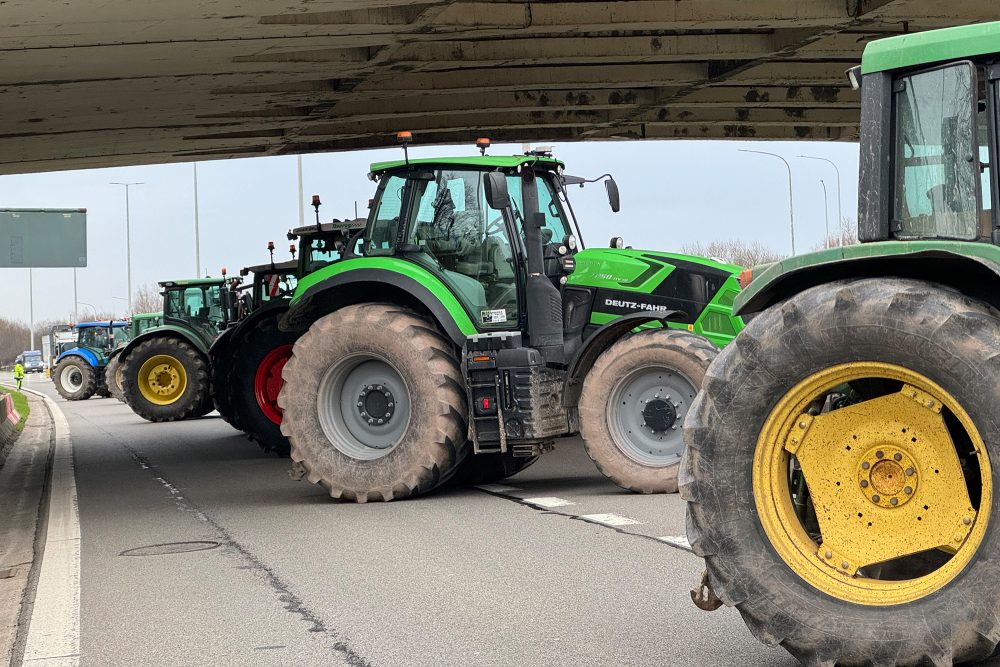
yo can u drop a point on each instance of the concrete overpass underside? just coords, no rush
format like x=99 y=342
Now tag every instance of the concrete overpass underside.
x=118 y=82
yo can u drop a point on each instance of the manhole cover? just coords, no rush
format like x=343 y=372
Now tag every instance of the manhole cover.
x=170 y=548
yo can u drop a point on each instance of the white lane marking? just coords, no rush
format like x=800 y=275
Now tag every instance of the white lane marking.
x=678 y=541
x=547 y=501
x=609 y=519
x=54 y=633
x=497 y=488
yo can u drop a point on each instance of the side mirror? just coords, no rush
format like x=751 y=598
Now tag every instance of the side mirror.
x=495 y=187
x=613 y=197
x=617 y=242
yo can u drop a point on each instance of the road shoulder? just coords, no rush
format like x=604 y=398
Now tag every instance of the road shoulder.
x=22 y=498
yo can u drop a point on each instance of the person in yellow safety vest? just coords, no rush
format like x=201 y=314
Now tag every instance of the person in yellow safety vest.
x=18 y=374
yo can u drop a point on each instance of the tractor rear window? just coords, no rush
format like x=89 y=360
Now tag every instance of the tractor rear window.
x=937 y=173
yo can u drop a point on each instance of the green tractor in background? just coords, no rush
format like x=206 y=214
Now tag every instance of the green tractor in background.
x=248 y=358
x=843 y=455
x=467 y=329
x=165 y=370
x=138 y=324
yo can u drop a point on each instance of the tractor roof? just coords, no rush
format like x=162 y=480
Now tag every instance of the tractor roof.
x=473 y=161
x=336 y=225
x=924 y=48
x=279 y=267
x=147 y=316
x=193 y=282
x=104 y=323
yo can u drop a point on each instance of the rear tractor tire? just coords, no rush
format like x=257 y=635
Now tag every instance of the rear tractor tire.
x=75 y=379
x=113 y=377
x=374 y=405
x=634 y=402
x=166 y=379
x=254 y=382
x=839 y=475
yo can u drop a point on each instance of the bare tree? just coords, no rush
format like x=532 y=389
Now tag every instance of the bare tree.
x=848 y=235
x=734 y=251
x=14 y=339
x=147 y=299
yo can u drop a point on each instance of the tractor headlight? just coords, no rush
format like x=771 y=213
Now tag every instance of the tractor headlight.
x=570 y=242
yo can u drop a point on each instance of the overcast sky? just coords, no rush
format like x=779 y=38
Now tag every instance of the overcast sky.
x=673 y=193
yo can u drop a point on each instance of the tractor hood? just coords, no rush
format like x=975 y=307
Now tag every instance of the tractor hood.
x=639 y=270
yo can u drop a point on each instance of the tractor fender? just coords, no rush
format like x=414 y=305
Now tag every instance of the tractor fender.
x=82 y=353
x=165 y=331
x=601 y=340
x=975 y=276
x=372 y=285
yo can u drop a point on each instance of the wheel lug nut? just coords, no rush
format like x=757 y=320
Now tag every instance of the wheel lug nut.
x=864 y=484
x=894 y=501
x=379 y=387
x=879 y=454
x=802 y=424
x=910 y=471
x=844 y=565
x=966 y=520
x=360 y=404
x=908 y=490
x=380 y=421
x=866 y=465
x=875 y=499
x=829 y=554
x=897 y=456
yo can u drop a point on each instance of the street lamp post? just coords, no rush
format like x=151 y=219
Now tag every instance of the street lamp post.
x=197 y=233
x=791 y=209
x=128 y=241
x=840 y=216
x=826 y=212
x=92 y=307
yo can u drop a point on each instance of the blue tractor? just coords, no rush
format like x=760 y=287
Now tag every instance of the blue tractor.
x=78 y=372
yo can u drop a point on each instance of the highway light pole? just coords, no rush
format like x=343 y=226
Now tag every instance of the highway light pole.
x=840 y=217
x=128 y=241
x=92 y=307
x=826 y=212
x=791 y=210
x=197 y=233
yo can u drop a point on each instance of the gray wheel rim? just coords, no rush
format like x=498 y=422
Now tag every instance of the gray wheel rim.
x=632 y=399
x=72 y=379
x=353 y=396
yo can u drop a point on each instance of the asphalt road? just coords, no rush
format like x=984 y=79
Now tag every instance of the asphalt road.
x=463 y=577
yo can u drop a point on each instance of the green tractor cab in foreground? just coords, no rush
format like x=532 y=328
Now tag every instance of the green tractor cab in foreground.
x=164 y=370
x=843 y=455
x=466 y=329
x=248 y=358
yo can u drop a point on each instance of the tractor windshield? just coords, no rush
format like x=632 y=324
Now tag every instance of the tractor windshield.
x=937 y=172
x=93 y=337
x=200 y=305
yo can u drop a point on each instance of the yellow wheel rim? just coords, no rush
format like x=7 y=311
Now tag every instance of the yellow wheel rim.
x=897 y=517
x=162 y=379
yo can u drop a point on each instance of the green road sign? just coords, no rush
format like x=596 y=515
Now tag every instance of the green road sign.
x=43 y=237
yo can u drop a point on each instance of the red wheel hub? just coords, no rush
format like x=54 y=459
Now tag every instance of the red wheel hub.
x=267 y=381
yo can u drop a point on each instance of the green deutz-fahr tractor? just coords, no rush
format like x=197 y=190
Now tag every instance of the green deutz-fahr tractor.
x=165 y=370
x=467 y=329
x=138 y=324
x=843 y=452
x=247 y=359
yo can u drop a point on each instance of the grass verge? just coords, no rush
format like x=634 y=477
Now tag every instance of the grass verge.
x=20 y=404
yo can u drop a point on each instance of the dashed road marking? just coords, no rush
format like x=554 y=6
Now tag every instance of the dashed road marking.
x=678 y=541
x=497 y=488
x=547 y=501
x=609 y=519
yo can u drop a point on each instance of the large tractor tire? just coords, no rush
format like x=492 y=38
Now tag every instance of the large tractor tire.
x=374 y=405
x=488 y=468
x=254 y=382
x=634 y=402
x=166 y=379
x=839 y=475
x=113 y=378
x=219 y=388
x=75 y=379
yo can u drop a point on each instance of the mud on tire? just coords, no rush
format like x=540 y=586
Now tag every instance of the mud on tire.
x=75 y=379
x=937 y=332
x=431 y=442
x=193 y=401
x=662 y=369
x=113 y=376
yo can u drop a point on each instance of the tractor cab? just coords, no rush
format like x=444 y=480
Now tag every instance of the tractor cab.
x=928 y=126
x=271 y=282
x=324 y=243
x=201 y=305
x=100 y=338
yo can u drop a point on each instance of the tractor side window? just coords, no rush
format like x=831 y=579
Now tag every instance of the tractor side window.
x=121 y=335
x=985 y=170
x=556 y=227
x=937 y=173
x=466 y=243
x=384 y=223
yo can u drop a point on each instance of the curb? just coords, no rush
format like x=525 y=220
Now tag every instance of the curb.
x=8 y=425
